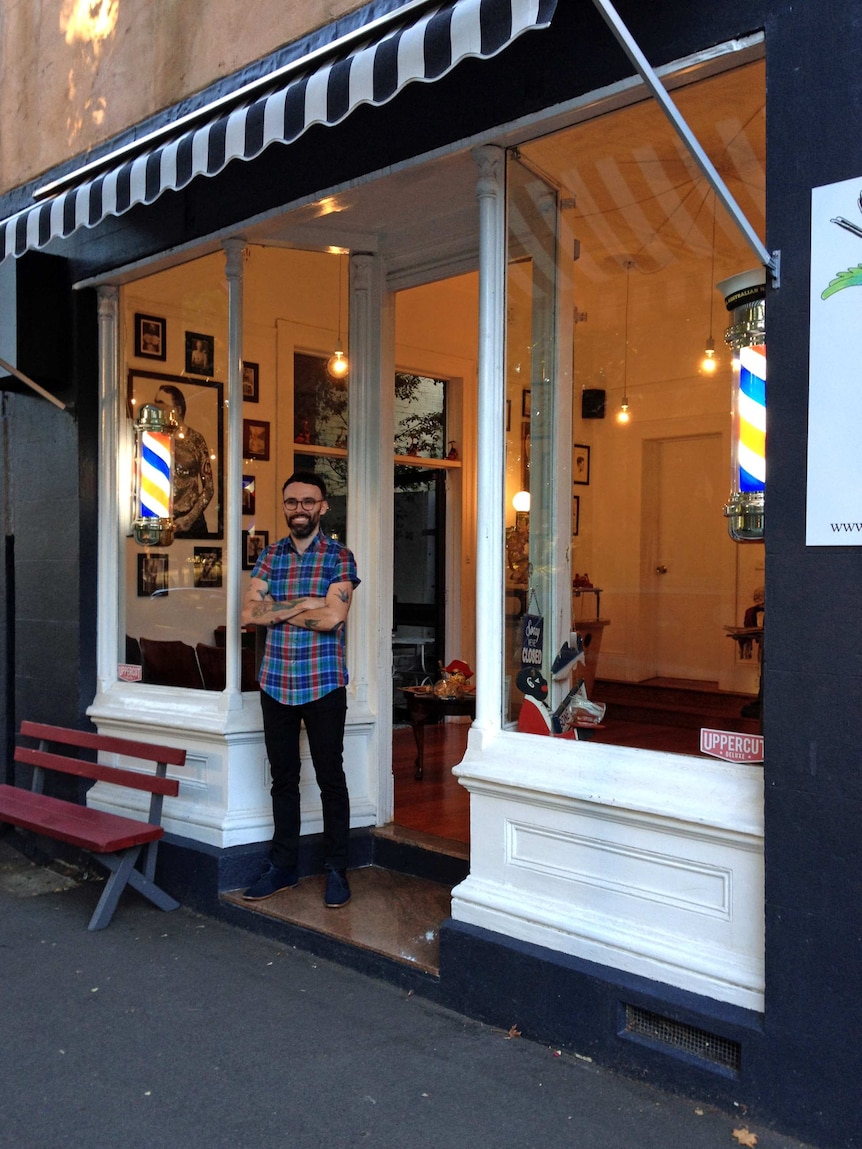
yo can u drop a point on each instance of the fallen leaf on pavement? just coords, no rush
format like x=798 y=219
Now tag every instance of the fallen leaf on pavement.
x=744 y=1137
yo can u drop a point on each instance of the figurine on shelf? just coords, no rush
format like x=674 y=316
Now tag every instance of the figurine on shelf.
x=303 y=435
x=453 y=679
x=534 y=717
x=581 y=582
x=453 y=452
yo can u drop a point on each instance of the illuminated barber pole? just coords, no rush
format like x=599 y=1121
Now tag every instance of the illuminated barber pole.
x=744 y=296
x=154 y=525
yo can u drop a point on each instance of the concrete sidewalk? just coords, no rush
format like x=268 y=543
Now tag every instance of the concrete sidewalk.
x=176 y=1030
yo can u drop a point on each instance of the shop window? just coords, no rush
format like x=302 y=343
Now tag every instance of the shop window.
x=618 y=432
x=294 y=416
x=173 y=594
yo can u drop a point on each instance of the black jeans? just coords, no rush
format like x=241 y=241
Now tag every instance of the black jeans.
x=324 y=724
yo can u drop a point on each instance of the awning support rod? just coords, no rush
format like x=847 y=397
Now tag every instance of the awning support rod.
x=771 y=260
x=30 y=383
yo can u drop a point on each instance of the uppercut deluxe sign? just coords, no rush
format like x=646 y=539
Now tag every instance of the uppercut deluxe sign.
x=730 y=746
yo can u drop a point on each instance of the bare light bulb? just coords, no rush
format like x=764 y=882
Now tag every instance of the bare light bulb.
x=624 y=415
x=521 y=501
x=709 y=362
x=337 y=365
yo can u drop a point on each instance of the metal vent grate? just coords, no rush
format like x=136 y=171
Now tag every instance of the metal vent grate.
x=686 y=1038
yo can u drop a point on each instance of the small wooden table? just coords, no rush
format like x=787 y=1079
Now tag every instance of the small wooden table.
x=424 y=707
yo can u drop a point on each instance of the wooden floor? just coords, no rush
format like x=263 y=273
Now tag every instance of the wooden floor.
x=439 y=805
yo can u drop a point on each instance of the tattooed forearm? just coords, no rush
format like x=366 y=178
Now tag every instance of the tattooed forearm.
x=344 y=596
x=266 y=608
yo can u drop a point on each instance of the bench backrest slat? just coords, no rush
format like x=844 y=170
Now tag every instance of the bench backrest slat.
x=171 y=755
x=97 y=771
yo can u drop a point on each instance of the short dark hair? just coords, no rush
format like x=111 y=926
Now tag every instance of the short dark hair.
x=177 y=396
x=307 y=477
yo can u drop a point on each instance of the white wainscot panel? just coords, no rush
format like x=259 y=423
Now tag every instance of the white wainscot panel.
x=647 y=863
x=224 y=797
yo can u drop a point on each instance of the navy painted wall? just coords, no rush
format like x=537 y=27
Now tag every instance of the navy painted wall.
x=48 y=473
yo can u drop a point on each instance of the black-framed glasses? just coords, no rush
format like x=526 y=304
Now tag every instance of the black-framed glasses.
x=306 y=504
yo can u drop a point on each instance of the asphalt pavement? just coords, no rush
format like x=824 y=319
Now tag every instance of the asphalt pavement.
x=178 y=1030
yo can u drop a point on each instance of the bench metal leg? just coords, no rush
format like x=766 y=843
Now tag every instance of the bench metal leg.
x=121 y=867
x=123 y=873
x=150 y=890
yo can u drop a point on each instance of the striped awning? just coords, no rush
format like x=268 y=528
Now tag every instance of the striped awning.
x=323 y=92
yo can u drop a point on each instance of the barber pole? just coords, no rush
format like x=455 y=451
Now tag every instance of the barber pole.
x=154 y=524
x=745 y=510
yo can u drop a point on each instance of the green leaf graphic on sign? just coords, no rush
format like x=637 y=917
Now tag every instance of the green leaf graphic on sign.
x=852 y=277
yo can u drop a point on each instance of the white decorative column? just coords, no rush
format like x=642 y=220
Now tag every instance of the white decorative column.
x=114 y=492
x=490 y=191
x=234 y=255
x=369 y=526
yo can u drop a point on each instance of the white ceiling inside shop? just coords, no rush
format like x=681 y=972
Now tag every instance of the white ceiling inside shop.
x=638 y=193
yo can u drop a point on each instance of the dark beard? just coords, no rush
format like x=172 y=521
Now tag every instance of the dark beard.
x=304 y=530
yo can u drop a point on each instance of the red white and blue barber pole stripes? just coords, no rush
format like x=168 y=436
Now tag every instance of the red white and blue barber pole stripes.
x=154 y=488
x=751 y=419
x=311 y=91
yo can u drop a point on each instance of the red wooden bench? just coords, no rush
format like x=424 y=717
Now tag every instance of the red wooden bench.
x=114 y=840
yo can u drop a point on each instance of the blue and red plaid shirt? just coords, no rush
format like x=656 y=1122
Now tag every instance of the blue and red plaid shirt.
x=300 y=665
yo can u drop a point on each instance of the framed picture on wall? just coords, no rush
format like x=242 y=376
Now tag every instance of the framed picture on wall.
x=198 y=477
x=200 y=353
x=255 y=439
x=152 y=574
x=151 y=337
x=254 y=543
x=525 y=404
x=207 y=567
x=576 y=513
x=581 y=465
x=248 y=495
x=525 y=455
x=250 y=382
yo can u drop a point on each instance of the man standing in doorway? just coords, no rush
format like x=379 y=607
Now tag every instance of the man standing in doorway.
x=301 y=589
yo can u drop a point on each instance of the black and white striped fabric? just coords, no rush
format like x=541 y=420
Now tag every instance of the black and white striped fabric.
x=372 y=73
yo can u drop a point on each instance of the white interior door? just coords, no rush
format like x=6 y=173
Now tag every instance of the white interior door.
x=686 y=554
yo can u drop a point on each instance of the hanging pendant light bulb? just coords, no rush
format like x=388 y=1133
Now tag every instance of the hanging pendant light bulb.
x=623 y=415
x=709 y=362
x=337 y=366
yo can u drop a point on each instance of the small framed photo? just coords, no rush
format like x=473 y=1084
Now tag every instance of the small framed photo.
x=207 y=566
x=248 y=495
x=254 y=543
x=576 y=514
x=255 y=439
x=151 y=337
x=250 y=382
x=581 y=465
x=152 y=575
x=508 y=414
x=525 y=404
x=200 y=354
x=522 y=521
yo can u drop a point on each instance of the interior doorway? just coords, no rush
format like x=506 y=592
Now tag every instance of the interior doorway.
x=684 y=555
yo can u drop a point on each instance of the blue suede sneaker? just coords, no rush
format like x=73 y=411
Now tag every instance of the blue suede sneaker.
x=273 y=879
x=337 y=890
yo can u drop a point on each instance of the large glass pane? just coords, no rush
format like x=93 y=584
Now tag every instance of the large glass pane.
x=661 y=594
x=532 y=548
x=176 y=354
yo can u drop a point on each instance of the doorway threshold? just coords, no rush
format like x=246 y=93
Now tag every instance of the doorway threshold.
x=395 y=915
